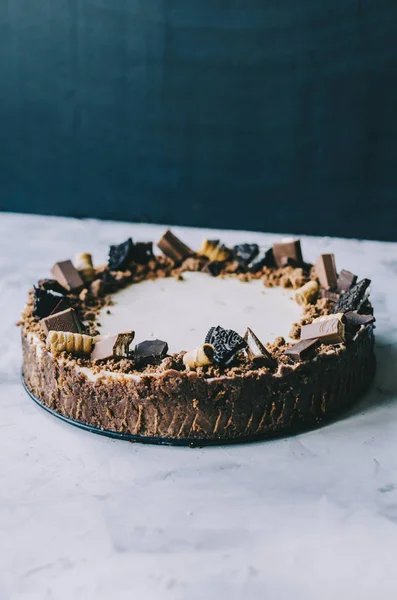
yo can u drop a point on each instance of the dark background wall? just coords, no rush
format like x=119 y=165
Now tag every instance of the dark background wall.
x=275 y=115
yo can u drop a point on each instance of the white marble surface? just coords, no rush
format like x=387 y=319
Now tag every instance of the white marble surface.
x=83 y=517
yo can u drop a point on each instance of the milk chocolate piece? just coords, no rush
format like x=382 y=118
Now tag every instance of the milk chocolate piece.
x=329 y=295
x=346 y=280
x=264 y=258
x=69 y=278
x=45 y=301
x=329 y=330
x=172 y=247
x=354 y=298
x=245 y=253
x=256 y=351
x=120 y=256
x=288 y=252
x=114 y=346
x=150 y=352
x=354 y=320
x=226 y=344
x=302 y=350
x=67 y=320
x=326 y=271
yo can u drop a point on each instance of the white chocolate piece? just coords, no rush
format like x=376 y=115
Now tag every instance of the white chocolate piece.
x=199 y=357
x=75 y=343
x=307 y=294
x=83 y=263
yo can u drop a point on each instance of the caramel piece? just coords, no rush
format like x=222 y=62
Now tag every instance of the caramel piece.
x=214 y=250
x=199 y=357
x=307 y=294
x=326 y=271
x=65 y=341
x=83 y=262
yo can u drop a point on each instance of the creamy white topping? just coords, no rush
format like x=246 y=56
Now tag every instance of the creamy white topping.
x=181 y=312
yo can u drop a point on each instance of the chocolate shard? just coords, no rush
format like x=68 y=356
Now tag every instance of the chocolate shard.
x=288 y=252
x=326 y=271
x=120 y=255
x=329 y=329
x=67 y=320
x=52 y=285
x=345 y=281
x=214 y=267
x=245 y=253
x=173 y=247
x=142 y=252
x=302 y=350
x=354 y=298
x=150 y=352
x=118 y=345
x=62 y=305
x=354 y=320
x=227 y=343
x=45 y=301
x=256 y=350
x=329 y=295
x=264 y=258
x=67 y=276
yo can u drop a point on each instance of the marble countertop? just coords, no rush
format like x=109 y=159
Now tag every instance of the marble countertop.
x=85 y=517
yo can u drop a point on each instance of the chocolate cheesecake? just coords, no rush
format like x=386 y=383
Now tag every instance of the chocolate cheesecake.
x=198 y=346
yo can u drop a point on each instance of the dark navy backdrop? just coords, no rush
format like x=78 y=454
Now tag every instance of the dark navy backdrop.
x=264 y=114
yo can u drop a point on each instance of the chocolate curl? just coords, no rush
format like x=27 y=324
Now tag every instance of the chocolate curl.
x=64 y=341
x=214 y=250
x=83 y=262
x=307 y=294
x=199 y=357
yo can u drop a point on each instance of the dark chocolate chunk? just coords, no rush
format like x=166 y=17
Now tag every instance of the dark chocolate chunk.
x=150 y=352
x=326 y=271
x=67 y=276
x=142 y=252
x=288 y=253
x=264 y=258
x=226 y=344
x=52 y=285
x=329 y=295
x=120 y=256
x=354 y=298
x=354 y=320
x=256 y=350
x=67 y=320
x=114 y=346
x=302 y=350
x=245 y=253
x=214 y=267
x=45 y=302
x=346 y=280
x=329 y=330
x=62 y=305
x=172 y=247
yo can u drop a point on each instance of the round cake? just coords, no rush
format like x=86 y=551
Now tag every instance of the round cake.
x=193 y=347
